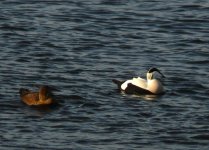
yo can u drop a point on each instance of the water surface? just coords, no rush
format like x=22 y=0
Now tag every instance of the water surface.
x=79 y=47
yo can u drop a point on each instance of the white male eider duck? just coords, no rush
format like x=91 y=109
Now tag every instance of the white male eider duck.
x=141 y=86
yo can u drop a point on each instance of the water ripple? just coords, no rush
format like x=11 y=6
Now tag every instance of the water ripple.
x=78 y=47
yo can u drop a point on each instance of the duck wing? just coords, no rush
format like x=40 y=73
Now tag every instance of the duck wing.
x=29 y=98
x=133 y=89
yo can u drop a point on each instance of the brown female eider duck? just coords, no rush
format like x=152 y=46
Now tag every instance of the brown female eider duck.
x=42 y=97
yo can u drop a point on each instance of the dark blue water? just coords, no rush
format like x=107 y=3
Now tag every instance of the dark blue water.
x=79 y=46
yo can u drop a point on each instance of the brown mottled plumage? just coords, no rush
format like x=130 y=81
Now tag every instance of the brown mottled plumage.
x=42 y=97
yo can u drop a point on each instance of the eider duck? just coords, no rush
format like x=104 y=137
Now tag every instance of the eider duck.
x=141 y=86
x=42 y=97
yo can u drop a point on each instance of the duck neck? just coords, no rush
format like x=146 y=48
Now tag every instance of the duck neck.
x=149 y=76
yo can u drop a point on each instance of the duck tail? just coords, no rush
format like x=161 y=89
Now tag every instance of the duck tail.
x=23 y=91
x=118 y=83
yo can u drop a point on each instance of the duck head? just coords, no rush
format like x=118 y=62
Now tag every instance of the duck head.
x=151 y=71
x=44 y=93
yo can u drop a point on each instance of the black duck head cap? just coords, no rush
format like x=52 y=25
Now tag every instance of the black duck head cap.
x=151 y=70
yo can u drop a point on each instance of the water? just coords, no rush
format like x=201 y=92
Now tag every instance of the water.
x=79 y=47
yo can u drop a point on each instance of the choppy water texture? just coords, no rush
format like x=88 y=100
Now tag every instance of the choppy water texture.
x=79 y=47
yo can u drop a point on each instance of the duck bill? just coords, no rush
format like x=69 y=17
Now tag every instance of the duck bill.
x=161 y=74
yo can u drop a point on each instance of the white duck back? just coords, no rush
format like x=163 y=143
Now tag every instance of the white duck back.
x=142 y=83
